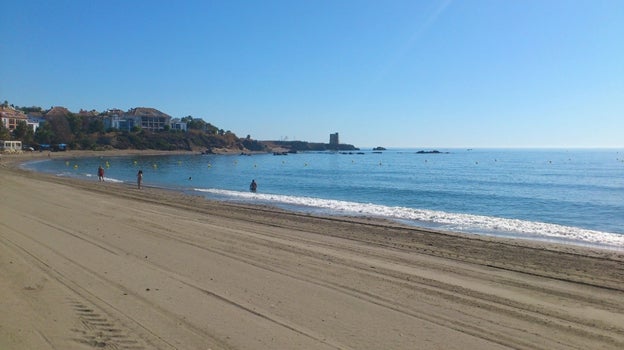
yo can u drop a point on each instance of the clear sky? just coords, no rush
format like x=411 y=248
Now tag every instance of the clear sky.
x=415 y=73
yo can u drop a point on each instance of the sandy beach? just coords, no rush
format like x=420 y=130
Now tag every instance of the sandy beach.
x=88 y=265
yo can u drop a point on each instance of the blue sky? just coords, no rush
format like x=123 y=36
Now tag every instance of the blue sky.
x=430 y=73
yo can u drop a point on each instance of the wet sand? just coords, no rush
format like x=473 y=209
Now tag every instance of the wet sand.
x=89 y=265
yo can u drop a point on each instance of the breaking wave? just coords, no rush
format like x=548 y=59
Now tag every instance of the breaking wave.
x=437 y=219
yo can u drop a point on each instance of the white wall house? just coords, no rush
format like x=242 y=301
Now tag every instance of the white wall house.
x=11 y=146
x=178 y=124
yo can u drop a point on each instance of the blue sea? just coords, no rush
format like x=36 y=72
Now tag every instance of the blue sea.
x=573 y=196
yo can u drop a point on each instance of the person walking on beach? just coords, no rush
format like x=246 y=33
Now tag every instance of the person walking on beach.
x=101 y=174
x=253 y=186
x=140 y=178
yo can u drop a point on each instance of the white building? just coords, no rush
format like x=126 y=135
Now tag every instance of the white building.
x=178 y=124
x=11 y=117
x=11 y=146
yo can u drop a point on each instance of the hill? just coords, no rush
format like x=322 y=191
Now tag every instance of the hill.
x=138 y=128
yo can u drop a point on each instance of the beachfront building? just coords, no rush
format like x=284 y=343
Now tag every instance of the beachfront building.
x=148 y=118
x=11 y=146
x=114 y=119
x=118 y=122
x=33 y=123
x=12 y=117
x=178 y=124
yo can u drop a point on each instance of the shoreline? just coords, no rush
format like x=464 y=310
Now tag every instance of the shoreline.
x=511 y=235
x=180 y=197
x=89 y=264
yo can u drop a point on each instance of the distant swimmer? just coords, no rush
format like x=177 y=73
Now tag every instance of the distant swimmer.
x=253 y=186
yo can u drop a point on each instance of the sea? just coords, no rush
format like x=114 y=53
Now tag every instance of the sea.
x=569 y=196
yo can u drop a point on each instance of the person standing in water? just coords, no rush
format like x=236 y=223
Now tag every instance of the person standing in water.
x=253 y=186
x=101 y=174
x=140 y=178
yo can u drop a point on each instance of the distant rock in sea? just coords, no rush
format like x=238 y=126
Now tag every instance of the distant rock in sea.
x=379 y=148
x=431 y=152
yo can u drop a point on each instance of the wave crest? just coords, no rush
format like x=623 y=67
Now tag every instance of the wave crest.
x=439 y=219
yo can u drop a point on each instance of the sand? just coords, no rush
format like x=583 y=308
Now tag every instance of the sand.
x=88 y=265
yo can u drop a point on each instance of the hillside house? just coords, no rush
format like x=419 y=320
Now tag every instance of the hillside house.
x=148 y=118
x=178 y=124
x=12 y=117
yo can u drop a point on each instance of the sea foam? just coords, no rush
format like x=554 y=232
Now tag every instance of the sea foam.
x=439 y=219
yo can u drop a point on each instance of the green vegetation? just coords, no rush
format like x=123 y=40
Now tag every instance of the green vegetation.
x=86 y=131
